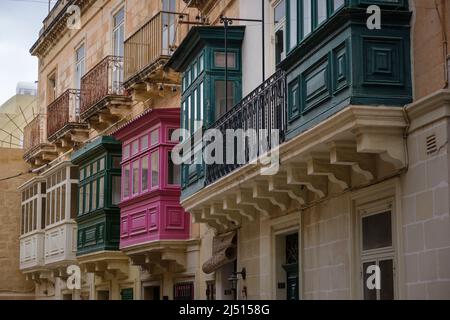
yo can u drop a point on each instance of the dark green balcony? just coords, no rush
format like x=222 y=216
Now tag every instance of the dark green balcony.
x=99 y=196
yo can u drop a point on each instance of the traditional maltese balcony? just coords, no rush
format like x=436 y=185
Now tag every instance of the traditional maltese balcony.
x=32 y=225
x=37 y=151
x=148 y=50
x=104 y=100
x=60 y=243
x=64 y=126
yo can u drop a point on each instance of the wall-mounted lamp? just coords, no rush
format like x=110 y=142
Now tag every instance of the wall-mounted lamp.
x=234 y=278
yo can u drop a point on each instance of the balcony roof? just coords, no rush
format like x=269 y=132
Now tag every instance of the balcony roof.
x=198 y=38
x=99 y=145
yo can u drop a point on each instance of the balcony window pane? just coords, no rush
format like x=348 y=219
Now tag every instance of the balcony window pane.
x=126 y=181
x=63 y=202
x=116 y=162
x=135 y=147
x=126 y=152
x=88 y=198
x=102 y=164
x=82 y=174
x=94 y=168
x=221 y=106
x=135 y=177
x=101 y=192
x=377 y=231
x=195 y=71
x=280 y=11
x=116 y=180
x=201 y=63
x=144 y=173
x=34 y=214
x=80 y=201
x=174 y=174
x=88 y=171
x=338 y=4
x=94 y=195
x=201 y=119
x=321 y=11
x=293 y=25
x=155 y=169
x=154 y=137
x=307 y=17
x=219 y=60
x=196 y=111
x=144 y=142
x=23 y=219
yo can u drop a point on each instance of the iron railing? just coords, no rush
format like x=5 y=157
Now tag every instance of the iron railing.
x=156 y=39
x=263 y=109
x=33 y=134
x=103 y=80
x=63 y=111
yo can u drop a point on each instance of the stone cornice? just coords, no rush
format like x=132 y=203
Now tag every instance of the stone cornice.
x=429 y=109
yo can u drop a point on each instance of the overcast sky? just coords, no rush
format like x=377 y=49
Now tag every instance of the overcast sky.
x=20 y=22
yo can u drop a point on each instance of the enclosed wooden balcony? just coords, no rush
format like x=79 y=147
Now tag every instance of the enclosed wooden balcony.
x=148 y=50
x=64 y=126
x=103 y=97
x=37 y=151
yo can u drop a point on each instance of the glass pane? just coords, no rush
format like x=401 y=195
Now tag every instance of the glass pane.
x=102 y=164
x=387 y=280
x=196 y=111
x=135 y=177
x=377 y=231
x=144 y=142
x=201 y=104
x=155 y=169
x=154 y=137
x=80 y=200
x=280 y=11
x=135 y=147
x=219 y=59
x=94 y=195
x=80 y=53
x=34 y=214
x=321 y=11
x=88 y=198
x=63 y=202
x=82 y=174
x=307 y=17
x=116 y=180
x=338 y=4
x=144 y=173
x=126 y=151
x=221 y=107
x=101 y=192
x=119 y=17
x=94 y=168
x=195 y=70
x=88 y=171
x=126 y=181
x=116 y=162
x=202 y=63
x=174 y=177
x=293 y=23
x=368 y=293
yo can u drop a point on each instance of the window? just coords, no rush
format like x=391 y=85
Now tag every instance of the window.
x=144 y=142
x=196 y=111
x=155 y=169
x=201 y=106
x=116 y=162
x=293 y=22
x=307 y=17
x=118 y=46
x=94 y=195
x=144 y=173
x=219 y=60
x=154 y=137
x=377 y=249
x=116 y=180
x=126 y=152
x=126 y=181
x=51 y=88
x=32 y=213
x=101 y=198
x=221 y=105
x=174 y=174
x=169 y=25
x=321 y=11
x=79 y=66
x=135 y=147
x=280 y=30
x=135 y=177
x=57 y=191
x=338 y=4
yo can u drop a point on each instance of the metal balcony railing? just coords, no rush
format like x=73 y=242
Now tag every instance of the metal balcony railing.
x=33 y=134
x=264 y=108
x=102 y=81
x=154 y=40
x=64 y=111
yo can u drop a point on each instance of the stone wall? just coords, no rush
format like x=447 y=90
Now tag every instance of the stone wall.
x=12 y=282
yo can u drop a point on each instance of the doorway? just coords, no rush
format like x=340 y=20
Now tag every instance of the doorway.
x=152 y=293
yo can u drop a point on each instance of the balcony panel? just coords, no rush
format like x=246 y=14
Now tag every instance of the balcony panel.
x=32 y=251
x=147 y=50
x=103 y=86
x=61 y=243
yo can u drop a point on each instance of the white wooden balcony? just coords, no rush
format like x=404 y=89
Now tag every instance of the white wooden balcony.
x=61 y=244
x=32 y=251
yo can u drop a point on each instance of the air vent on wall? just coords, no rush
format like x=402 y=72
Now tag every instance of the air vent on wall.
x=431 y=145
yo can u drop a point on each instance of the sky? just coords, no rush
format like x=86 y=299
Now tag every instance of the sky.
x=20 y=22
